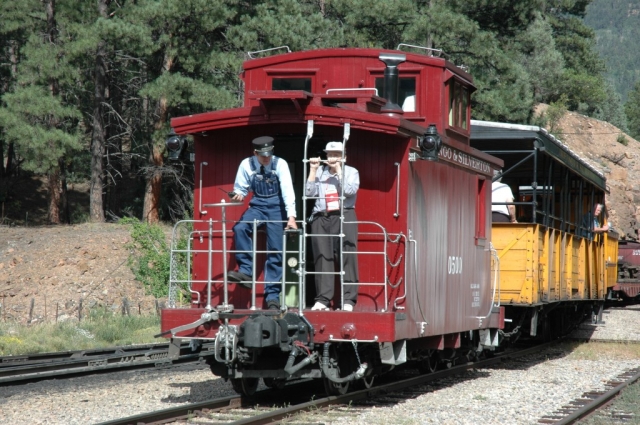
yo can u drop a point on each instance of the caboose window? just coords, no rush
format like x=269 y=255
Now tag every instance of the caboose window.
x=458 y=105
x=291 y=84
x=406 y=92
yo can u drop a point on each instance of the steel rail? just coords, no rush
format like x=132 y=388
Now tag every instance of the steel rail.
x=24 y=359
x=588 y=403
x=23 y=369
x=185 y=411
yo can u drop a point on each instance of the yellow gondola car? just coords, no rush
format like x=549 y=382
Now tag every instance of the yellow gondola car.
x=552 y=271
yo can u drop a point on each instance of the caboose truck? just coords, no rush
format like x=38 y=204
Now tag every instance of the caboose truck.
x=554 y=272
x=426 y=290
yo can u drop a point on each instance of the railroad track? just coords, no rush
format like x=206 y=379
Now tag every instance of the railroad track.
x=36 y=367
x=592 y=401
x=243 y=411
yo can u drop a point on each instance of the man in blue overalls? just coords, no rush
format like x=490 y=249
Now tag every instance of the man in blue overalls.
x=268 y=177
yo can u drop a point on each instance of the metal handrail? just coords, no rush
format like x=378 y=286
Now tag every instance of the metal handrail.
x=250 y=54
x=214 y=229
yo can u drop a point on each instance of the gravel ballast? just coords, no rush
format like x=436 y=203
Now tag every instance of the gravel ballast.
x=519 y=392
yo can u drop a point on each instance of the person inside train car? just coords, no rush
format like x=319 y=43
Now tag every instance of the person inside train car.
x=324 y=184
x=501 y=194
x=591 y=223
x=269 y=178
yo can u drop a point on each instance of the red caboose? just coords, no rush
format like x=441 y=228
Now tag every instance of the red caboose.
x=425 y=292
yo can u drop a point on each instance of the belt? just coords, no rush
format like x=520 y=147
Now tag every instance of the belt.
x=328 y=213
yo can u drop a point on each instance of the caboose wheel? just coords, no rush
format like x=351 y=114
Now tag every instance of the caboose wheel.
x=367 y=381
x=429 y=364
x=333 y=388
x=274 y=383
x=245 y=386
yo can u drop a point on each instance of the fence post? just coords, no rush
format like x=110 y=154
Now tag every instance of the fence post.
x=33 y=302
x=80 y=311
x=125 y=307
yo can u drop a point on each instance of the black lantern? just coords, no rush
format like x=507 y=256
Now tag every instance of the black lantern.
x=176 y=146
x=430 y=143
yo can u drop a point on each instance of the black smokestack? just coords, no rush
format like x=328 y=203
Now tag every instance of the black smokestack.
x=391 y=81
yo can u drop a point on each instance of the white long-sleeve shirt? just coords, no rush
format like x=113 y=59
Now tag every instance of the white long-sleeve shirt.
x=325 y=179
x=242 y=184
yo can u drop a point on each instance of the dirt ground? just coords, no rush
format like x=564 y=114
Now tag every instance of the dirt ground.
x=57 y=267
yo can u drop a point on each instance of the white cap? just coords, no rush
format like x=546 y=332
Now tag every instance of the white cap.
x=333 y=147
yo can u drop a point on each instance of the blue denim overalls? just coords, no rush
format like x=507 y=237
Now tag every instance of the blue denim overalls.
x=266 y=204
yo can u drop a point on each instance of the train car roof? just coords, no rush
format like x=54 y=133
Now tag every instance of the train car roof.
x=490 y=136
x=412 y=57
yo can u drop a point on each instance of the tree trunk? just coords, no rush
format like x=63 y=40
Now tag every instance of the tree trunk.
x=7 y=170
x=54 y=174
x=64 y=193
x=151 y=213
x=115 y=171
x=96 y=206
x=54 y=196
x=153 y=189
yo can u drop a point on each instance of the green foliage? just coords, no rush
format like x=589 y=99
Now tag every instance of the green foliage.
x=115 y=329
x=167 y=58
x=554 y=113
x=150 y=262
x=582 y=80
x=101 y=329
x=297 y=24
x=612 y=110
x=504 y=89
x=622 y=139
x=632 y=112
x=28 y=121
x=543 y=62
x=617 y=28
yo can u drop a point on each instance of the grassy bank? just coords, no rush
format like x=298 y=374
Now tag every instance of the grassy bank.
x=101 y=329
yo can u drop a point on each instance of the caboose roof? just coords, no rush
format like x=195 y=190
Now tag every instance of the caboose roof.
x=306 y=55
x=496 y=136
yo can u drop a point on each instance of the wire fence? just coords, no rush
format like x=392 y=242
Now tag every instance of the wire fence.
x=40 y=310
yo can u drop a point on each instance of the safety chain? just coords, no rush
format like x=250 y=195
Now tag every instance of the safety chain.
x=508 y=334
x=355 y=347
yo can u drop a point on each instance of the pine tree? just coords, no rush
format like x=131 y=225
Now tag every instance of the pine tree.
x=39 y=116
x=632 y=111
x=180 y=53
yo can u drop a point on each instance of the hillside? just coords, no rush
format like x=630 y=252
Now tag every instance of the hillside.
x=58 y=267
x=597 y=142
